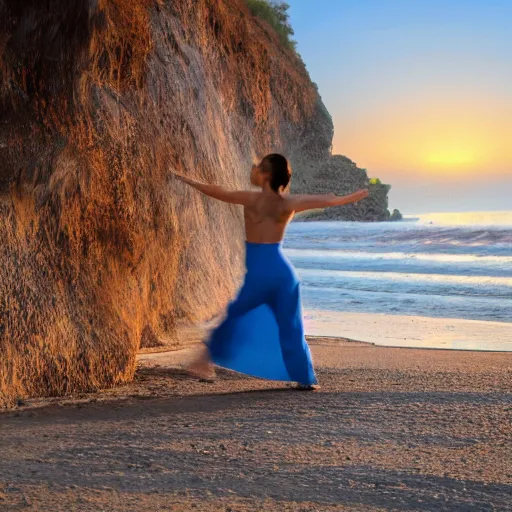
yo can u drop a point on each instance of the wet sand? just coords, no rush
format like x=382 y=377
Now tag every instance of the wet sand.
x=391 y=429
x=413 y=331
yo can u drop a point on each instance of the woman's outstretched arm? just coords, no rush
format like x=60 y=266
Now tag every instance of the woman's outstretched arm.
x=243 y=197
x=302 y=202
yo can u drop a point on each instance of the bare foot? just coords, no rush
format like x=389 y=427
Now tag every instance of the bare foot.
x=202 y=368
x=201 y=372
x=307 y=387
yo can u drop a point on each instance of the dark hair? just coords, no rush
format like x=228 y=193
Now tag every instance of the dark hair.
x=279 y=169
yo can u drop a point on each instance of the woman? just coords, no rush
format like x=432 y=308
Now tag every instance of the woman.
x=263 y=333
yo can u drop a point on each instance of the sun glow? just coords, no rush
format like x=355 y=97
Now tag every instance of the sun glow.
x=451 y=158
x=442 y=138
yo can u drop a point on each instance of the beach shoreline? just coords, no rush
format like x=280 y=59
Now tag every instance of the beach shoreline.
x=390 y=428
x=410 y=331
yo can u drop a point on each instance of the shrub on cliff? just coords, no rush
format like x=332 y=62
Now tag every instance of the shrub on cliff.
x=276 y=15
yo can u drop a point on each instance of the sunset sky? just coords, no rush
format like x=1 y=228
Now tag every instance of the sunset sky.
x=420 y=92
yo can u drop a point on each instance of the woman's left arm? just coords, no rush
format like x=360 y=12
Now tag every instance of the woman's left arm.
x=302 y=202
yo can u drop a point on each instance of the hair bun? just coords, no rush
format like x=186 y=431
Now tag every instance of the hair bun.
x=279 y=169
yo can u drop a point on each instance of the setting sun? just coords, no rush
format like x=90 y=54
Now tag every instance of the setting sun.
x=438 y=138
x=450 y=158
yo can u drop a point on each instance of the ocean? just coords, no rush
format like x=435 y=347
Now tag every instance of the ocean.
x=441 y=280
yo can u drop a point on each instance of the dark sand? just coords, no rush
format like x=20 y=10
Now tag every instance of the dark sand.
x=391 y=429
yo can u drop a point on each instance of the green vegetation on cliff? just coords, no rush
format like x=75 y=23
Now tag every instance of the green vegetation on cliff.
x=276 y=15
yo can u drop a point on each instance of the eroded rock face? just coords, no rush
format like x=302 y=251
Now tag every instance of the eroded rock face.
x=98 y=100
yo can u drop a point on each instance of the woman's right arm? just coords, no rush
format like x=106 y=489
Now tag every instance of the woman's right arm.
x=242 y=197
x=302 y=202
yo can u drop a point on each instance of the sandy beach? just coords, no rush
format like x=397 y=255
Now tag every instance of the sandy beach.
x=391 y=429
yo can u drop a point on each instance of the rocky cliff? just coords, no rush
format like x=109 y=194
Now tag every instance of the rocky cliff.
x=100 y=249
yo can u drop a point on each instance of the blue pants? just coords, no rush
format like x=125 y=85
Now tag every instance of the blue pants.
x=263 y=334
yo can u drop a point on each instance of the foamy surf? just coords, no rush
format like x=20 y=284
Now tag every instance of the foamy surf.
x=445 y=269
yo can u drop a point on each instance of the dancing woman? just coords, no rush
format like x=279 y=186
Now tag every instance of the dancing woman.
x=263 y=334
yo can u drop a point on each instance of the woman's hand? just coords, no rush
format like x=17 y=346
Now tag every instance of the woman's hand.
x=180 y=177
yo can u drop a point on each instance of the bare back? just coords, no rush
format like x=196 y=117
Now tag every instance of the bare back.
x=267 y=213
x=266 y=217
